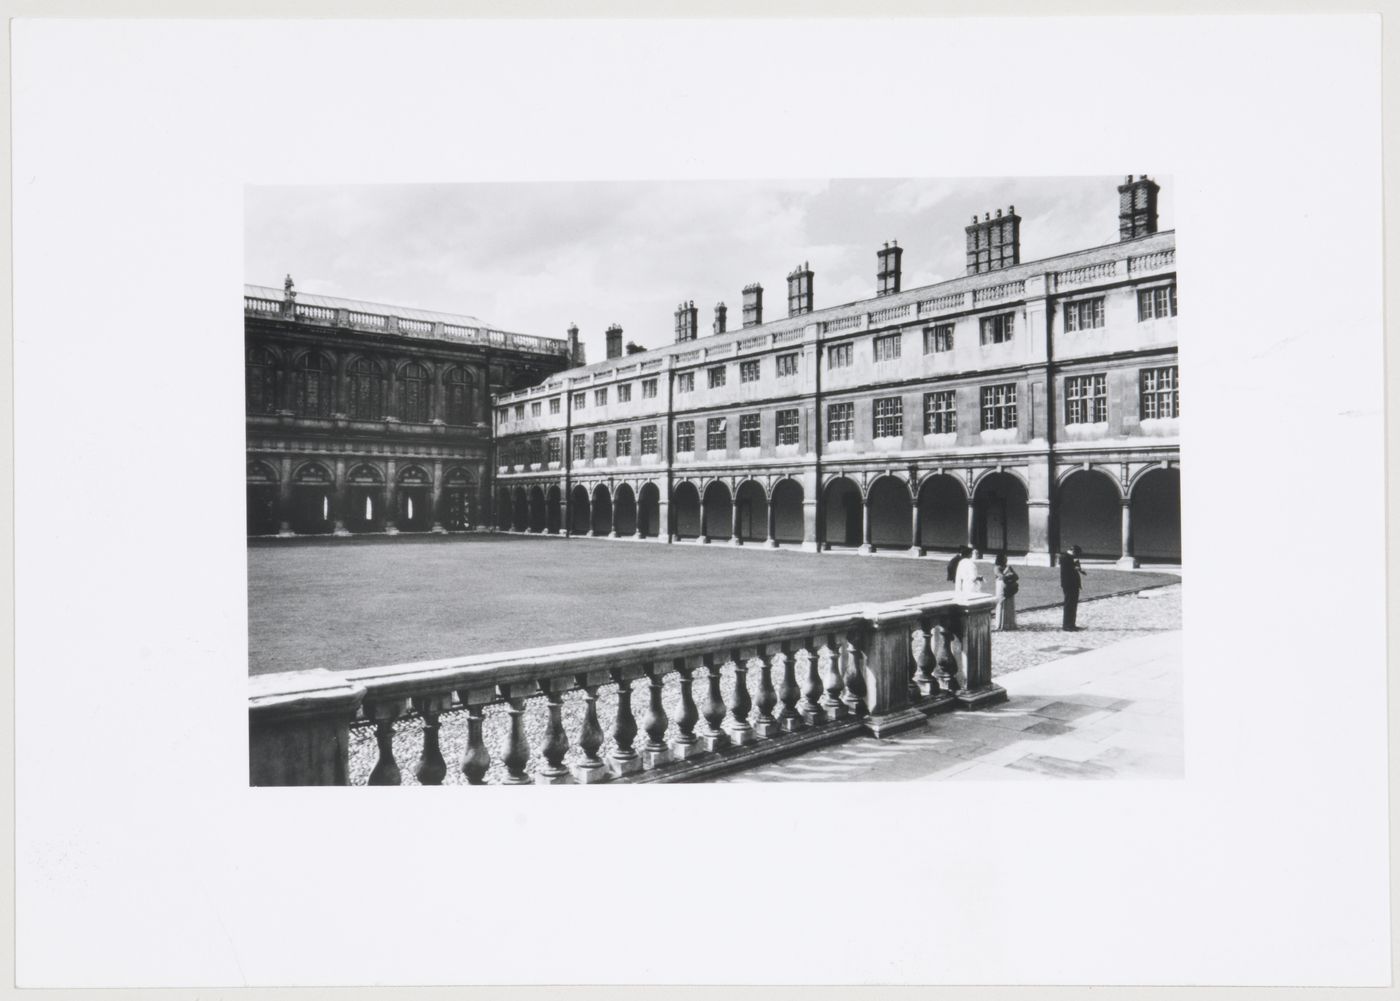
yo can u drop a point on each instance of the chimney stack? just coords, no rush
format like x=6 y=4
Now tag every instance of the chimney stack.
x=574 y=357
x=633 y=348
x=686 y=323
x=887 y=277
x=800 y=290
x=993 y=244
x=614 y=336
x=721 y=317
x=753 y=305
x=1137 y=207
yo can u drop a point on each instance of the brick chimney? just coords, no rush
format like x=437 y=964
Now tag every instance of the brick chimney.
x=574 y=357
x=800 y=290
x=753 y=305
x=614 y=340
x=633 y=348
x=1137 y=207
x=993 y=244
x=887 y=278
x=687 y=323
x=721 y=317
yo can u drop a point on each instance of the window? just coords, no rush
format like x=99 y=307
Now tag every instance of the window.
x=554 y=404
x=748 y=371
x=648 y=389
x=1084 y=315
x=997 y=329
x=649 y=440
x=1154 y=303
x=413 y=402
x=840 y=421
x=838 y=356
x=624 y=441
x=787 y=427
x=520 y=411
x=716 y=431
x=600 y=444
x=314 y=395
x=999 y=406
x=580 y=447
x=553 y=450
x=366 y=390
x=580 y=400
x=600 y=397
x=261 y=372
x=459 y=396
x=750 y=435
x=685 y=382
x=938 y=339
x=1160 y=388
x=1086 y=399
x=536 y=449
x=941 y=412
x=502 y=415
x=889 y=417
x=624 y=393
x=535 y=409
x=786 y=365
x=887 y=347
x=685 y=436
x=717 y=377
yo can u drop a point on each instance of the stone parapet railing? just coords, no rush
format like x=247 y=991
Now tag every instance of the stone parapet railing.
x=798 y=681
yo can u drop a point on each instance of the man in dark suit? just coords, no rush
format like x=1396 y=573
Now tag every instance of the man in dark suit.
x=1070 y=572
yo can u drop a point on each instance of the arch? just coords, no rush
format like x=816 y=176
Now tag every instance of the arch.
x=313 y=390
x=458 y=499
x=364 y=473
x=260 y=368
x=942 y=513
x=842 y=502
x=601 y=522
x=312 y=501
x=1011 y=471
x=554 y=515
x=1000 y=514
x=718 y=511
x=788 y=523
x=625 y=510
x=414 y=476
x=262 y=499
x=538 y=519
x=364 y=497
x=519 y=510
x=751 y=511
x=312 y=472
x=1089 y=511
x=649 y=511
x=1156 y=516
x=579 y=517
x=413 y=499
x=413 y=387
x=364 y=381
x=459 y=386
x=685 y=509
x=261 y=472
x=891 y=513
x=503 y=509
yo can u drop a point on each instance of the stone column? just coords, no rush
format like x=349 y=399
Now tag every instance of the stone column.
x=703 y=539
x=772 y=539
x=612 y=514
x=971 y=515
x=810 y=540
x=284 y=499
x=734 y=538
x=865 y=545
x=340 y=502
x=436 y=502
x=663 y=520
x=391 y=500
x=917 y=539
x=1127 y=561
x=1038 y=513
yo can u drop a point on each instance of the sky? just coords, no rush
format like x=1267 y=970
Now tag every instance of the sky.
x=533 y=258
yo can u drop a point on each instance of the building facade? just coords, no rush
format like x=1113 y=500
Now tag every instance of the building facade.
x=1021 y=408
x=370 y=418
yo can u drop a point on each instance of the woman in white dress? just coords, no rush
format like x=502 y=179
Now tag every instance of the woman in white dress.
x=969 y=574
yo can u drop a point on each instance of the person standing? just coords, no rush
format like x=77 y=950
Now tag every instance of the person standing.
x=969 y=574
x=1070 y=574
x=962 y=554
x=1007 y=584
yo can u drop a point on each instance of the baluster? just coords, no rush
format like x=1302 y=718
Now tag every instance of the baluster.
x=556 y=741
x=853 y=676
x=590 y=737
x=765 y=725
x=829 y=665
x=684 y=745
x=517 y=756
x=811 y=707
x=476 y=759
x=384 y=714
x=623 y=760
x=655 y=752
x=713 y=737
x=788 y=717
x=922 y=684
x=431 y=769
x=945 y=664
x=740 y=732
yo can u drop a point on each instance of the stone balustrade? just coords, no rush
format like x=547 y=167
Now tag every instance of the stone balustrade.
x=798 y=681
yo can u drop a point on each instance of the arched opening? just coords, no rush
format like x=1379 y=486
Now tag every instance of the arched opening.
x=313 y=392
x=578 y=511
x=843 y=514
x=685 y=509
x=458 y=384
x=503 y=510
x=787 y=511
x=554 y=515
x=751 y=509
x=601 y=522
x=1089 y=514
x=262 y=499
x=312 y=487
x=537 y=514
x=520 y=510
x=1000 y=519
x=261 y=381
x=719 y=511
x=458 y=501
x=625 y=511
x=365 y=499
x=415 y=499
x=649 y=511
x=891 y=514
x=1156 y=516
x=365 y=385
x=942 y=514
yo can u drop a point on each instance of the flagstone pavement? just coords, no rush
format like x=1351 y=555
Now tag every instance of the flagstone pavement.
x=1111 y=712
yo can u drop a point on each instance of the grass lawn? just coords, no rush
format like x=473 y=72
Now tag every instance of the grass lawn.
x=342 y=604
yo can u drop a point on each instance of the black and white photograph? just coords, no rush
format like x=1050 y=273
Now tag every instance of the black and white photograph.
x=498 y=544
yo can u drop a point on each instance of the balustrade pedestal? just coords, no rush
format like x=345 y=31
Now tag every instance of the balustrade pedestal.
x=976 y=690
x=299 y=731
